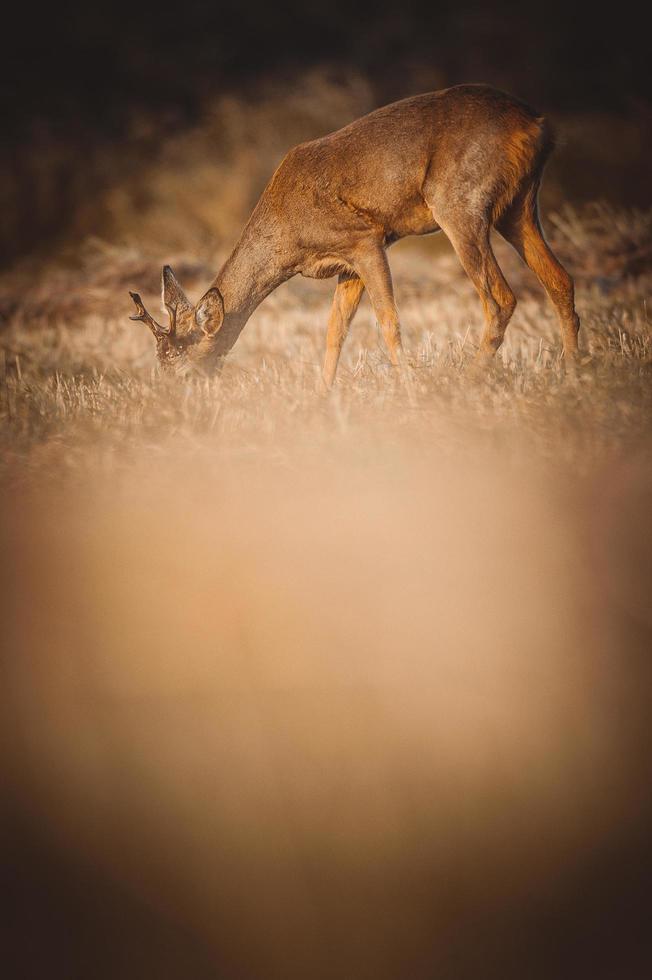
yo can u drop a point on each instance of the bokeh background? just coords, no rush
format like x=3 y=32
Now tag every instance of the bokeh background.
x=302 y=687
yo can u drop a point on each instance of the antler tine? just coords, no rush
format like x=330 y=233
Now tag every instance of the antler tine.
x=144 y=317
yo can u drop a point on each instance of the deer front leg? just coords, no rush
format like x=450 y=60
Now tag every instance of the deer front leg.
x=373 y=269
x=345 y=303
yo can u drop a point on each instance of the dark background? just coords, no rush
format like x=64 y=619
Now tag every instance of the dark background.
x=76 y=75
x=88 y=64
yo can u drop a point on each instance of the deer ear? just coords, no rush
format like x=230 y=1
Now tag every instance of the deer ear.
x=209 y=312
x=174 y=297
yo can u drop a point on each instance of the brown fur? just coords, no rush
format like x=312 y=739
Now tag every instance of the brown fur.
x=461 y=160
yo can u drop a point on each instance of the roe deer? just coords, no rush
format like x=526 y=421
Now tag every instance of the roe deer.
x=462 y=160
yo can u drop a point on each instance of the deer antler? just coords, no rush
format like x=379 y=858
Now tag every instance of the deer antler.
x=144 y=316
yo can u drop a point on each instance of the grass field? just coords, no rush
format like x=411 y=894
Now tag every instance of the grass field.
x=322 y=686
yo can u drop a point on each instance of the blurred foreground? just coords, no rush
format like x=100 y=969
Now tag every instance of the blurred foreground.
x=355 y=686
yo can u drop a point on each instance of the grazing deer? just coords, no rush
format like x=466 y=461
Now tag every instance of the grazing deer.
x=462 y=160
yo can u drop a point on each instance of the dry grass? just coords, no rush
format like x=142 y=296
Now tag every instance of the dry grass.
x=318 y=686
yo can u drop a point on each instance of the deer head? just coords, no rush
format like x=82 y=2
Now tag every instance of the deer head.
x=191 y=337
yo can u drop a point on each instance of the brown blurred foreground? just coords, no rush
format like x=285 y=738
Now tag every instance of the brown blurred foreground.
x=384 y=721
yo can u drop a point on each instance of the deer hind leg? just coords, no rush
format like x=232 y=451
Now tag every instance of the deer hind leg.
x=479 y=262
x=348 y=293
x=373 y=268
x=520 y=226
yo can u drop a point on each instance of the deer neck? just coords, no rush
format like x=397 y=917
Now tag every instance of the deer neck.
x=257 y=265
